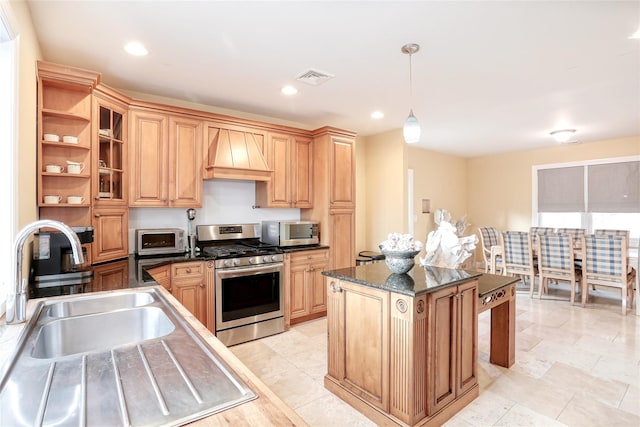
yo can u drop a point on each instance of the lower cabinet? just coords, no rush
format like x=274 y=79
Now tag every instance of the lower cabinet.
x=111 y=276
x=191 y=283
x=304 y=285
x=399 y=357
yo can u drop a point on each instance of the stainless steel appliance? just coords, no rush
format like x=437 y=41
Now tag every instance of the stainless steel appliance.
x=248 y=282
x=159 y=241
x=291 y=233
x=53 y=271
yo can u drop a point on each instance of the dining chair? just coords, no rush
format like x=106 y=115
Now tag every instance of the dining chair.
x=536 y=231
x=491 y=249
x=556 y=261
x=575 y=233
x=605 y=264
x=518 y=256
x=623 y=233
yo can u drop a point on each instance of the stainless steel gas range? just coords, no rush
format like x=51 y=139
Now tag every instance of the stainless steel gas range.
x=249 y=298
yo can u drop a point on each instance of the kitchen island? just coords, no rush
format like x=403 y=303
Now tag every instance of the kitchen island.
x=402 y=348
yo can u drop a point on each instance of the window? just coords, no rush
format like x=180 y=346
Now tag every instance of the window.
x=8 y=139
x=602 y=194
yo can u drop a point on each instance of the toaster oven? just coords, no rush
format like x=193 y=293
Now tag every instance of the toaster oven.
x=159 y=241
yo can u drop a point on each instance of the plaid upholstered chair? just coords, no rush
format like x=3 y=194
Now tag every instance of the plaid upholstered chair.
x=518 y=256
x=491 y=249
x=555 y=261
x=536 y=231
x=575 y=233
x=605 y=264
x=623 y=233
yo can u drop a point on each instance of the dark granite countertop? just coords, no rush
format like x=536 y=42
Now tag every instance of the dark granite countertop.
x=419 y=280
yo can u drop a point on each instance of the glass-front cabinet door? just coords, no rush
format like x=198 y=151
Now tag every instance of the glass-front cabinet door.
x=110 y=154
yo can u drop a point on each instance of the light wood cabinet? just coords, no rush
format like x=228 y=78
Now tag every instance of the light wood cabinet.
x=453 y=350
x=111 y=234
x=191 y=283
x=109 y=161
x=305 y=285
x=400 y=357
x=111 y=276
x=358 y=340
x=166 y=160
x=291 y=185
x=334 y=194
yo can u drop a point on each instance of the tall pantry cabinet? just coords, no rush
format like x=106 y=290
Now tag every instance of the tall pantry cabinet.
x=334 y=194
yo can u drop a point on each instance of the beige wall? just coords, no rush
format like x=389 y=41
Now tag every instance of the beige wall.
x=382 y=202
x=442 y=178
x=499 y=186
x=27 y=102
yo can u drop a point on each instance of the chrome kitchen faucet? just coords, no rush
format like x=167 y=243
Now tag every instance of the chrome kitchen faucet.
x=17 y=298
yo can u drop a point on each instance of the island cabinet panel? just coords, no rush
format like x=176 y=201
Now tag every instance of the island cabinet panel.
x=362 y=365
x=402 y=359
x=408 y=358
x=453 y=350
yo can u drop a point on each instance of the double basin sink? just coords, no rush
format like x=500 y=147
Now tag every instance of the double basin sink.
x=124 y=358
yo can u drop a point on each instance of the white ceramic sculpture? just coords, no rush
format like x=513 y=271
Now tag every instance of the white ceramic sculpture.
x=444 y=248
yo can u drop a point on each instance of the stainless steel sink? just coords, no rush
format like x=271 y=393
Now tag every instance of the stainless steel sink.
x=99 y=332
x=126 y=365
x=98 y=304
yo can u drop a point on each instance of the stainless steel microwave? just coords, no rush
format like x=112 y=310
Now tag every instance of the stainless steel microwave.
x=290 y=233
x=158 y=241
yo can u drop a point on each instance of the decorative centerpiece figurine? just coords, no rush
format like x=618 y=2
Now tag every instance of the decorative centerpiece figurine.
x=444 y=247
x=399 y=251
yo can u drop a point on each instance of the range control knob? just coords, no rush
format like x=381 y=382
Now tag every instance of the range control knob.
x=266 y=258
x=254 y=260
x=274 y=258
x=236 y=262
x=227 y=263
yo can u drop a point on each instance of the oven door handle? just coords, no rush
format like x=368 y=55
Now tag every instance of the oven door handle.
x=244 y=271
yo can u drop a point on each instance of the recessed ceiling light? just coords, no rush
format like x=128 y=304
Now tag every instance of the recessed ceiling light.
x=377 y=115
x=136 y=49
x=635 y=35
x=289 y=90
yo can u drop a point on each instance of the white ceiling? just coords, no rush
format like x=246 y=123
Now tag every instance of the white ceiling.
x=491 y=76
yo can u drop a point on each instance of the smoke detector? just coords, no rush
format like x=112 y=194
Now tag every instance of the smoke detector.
x=314 y=77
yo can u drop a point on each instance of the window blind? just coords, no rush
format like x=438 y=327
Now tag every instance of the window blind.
x=561 y=189
x=614 y=187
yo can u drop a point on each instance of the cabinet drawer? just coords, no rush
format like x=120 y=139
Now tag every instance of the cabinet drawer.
x=309 y=256
x=187 y=269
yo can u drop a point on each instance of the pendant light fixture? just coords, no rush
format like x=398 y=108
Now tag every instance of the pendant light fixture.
x=411 y=128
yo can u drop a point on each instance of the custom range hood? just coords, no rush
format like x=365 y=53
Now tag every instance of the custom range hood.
x=235 y=154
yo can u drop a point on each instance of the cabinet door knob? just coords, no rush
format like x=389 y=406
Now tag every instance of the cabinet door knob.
x=201 y=285
x=97 y=215
x=170 y=289
x=188 y=270
x=335 y=288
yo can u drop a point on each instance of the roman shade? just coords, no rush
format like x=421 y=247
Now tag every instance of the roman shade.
x=614 y=187
x=561 y=189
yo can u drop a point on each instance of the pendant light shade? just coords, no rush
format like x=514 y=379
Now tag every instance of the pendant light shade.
x=411 y=128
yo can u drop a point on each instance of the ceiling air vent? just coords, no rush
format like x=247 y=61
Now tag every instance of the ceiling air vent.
x=314 y=77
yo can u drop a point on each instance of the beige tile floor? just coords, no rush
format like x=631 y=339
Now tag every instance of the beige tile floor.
x=574 y=366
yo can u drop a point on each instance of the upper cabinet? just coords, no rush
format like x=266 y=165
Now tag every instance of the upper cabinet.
x=64 y=139
x=110 y=152
x=291 y=185
x=165 y=160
